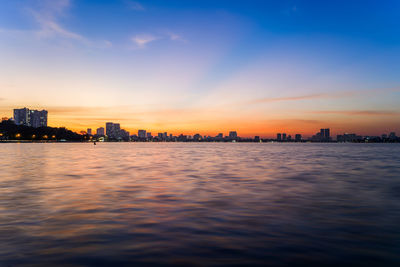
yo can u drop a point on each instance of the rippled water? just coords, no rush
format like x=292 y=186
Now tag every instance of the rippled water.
x=199 y=204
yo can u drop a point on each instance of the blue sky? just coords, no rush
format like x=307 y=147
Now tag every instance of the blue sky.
x=255 y=66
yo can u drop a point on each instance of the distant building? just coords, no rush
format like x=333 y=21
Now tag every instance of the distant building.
x=392 y=135
x=123 y=134
x=33 y=118
x=297 y=138
x=100 y=131
x=257 y=139
x=323 y=135
x=89 y=131
x=21 y=116
x=349 y=138
x=327 y=135
x=279 y=137
x=283 y=137
x=233 y=135
x=197 y=137
x=113 y=130
x=142 y=134
x=38 y=118
x=149 y=136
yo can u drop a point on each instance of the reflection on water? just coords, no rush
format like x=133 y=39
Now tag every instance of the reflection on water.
x=199 y=204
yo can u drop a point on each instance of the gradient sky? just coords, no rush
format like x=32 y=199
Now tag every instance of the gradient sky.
x=258 y=67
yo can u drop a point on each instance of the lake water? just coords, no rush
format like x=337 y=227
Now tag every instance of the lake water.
x=199 y=204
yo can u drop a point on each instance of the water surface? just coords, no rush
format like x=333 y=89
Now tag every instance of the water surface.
x=203 y=204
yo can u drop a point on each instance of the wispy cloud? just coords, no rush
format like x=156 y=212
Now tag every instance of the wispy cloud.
x=175 y=37
x=358 y=112
x=50 y=28
x=290 y=98
x=134 y=5
x=47 y=14
x=300 y=97
x=142 y=40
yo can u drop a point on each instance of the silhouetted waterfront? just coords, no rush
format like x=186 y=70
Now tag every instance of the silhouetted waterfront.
x=199 y=204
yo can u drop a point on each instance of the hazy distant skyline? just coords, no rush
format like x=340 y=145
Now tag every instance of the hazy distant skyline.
x=257 y=67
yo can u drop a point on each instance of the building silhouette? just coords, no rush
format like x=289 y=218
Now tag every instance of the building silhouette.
x=100 y=131
x=142 y=134
x=233 y=135
x=113 y=130
x=33 y=118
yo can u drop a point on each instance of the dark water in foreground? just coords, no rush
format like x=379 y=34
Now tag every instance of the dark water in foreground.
x=199 y=204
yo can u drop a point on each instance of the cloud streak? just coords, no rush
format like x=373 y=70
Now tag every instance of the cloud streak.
x=141 y=41
x=290 y=98
x=358 y=112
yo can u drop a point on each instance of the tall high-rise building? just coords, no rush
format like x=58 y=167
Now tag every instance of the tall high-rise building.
x=112 y=130
x=100 y=131
x=297 y=137
x=89 y=131
x=21 y=116
x=284 y=137
x=327 y=134
x=33 y=118
x=142 y=134
x=232 y=134
x=279 y=137
x=38 y=118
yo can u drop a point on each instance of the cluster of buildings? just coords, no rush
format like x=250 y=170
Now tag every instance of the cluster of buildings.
x=324 y=135
x=283 y=137
x=354 y=138
x=32 y=118
x=113 y=132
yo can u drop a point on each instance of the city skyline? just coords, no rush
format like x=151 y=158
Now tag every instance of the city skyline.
x=203 y=66
x=39 y=118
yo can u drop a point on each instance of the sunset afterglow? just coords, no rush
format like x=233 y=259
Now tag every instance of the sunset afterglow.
x=256 y=67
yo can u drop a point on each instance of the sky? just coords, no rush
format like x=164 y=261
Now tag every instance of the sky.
x=257 y=67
